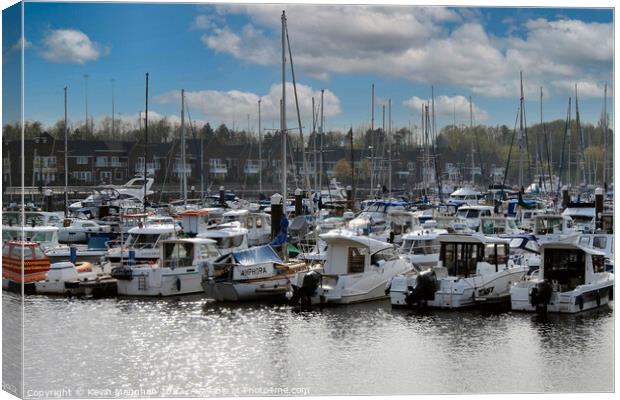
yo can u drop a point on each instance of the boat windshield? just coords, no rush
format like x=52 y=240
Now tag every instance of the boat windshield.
x=425 y=246
x=229 y=242
x=145 y=240
x=468 y=213
x=548 y=225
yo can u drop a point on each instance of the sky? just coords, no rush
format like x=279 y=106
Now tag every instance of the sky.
x=227 y=57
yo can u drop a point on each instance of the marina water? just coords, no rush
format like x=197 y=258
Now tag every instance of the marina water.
x=191 y=346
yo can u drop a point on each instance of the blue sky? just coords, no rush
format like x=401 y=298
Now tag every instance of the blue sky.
x=227 y=57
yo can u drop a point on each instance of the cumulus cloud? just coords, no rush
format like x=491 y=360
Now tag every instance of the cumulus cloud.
x=423 y=44
x=222 y=106
x=585 y=89
x=449 y=106
x=70 y=46
x=21 y=42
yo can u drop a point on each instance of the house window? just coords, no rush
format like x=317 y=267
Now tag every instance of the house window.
x=102 y=161
x=114 y=161
x=81 y=160
x=105 y=175
x=118 y=175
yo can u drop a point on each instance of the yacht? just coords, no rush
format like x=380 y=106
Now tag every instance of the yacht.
x=374 y=218
x=252 y=274
x=473 y=269
x=572 y=278
x=229 y=237
x=77 y=230
x=493 y=226
x=465 y=195
x=524 y=250
x=582 y=214
x=179 y=270
x=553 y=227
x=356 y=269
x=471 y=214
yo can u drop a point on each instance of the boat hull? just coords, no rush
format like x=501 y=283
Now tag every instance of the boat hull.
x=586 y=297
x=274 y=289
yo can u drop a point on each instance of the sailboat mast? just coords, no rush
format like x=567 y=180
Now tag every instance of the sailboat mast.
x=321 y=145
x=605 y=136
x=184 y=177
x=146 y=136
x=66 y=160
x=521 y=135
x=581 y=141
x=390 y=147
x=372 y=139
x=283 y=108
x=260 y=151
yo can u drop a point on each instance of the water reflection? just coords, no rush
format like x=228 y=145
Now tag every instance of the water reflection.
x=193 y=343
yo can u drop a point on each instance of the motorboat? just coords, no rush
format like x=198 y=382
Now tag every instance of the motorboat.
x=77 y=230
x=524 y=250
x=571 y=279
x=472 y=270
x=421 y=246
x=471 y=214
x=356 y=269
x=258 y=225
x=63 y=278
x=553 y=227
x=45 y=236
x=229 y=237
x=179 y=270
x=582 y=214
x=23 y=264
x=94 y=251
x=374 y=218
x=493 y=226
x=142 y=243
x=256 y=273
x=464 y=196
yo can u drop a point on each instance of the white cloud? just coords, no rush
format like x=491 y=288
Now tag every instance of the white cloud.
x=424 y=44
x=22 y=41
x=70 y=46
x=585 y=89
x=224 y=106
x=449 y=106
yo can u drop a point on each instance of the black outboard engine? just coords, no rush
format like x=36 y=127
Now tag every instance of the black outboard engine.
x=426 y=286
x=303 y=295
x=540 y=296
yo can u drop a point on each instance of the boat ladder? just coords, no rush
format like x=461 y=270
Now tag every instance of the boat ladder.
x=142 y=282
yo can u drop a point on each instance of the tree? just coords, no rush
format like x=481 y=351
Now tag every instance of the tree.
x=342 y=169
x=222 y=134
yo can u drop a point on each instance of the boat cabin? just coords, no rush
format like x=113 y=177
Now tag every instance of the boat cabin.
x=348 y=253
x=31 y=218
x=568 y=265
x=187 y=252
x=27 y=255
x=46 y=236
x=545 y=224
x=474 y=254
x=498 y=226
x=197 y=221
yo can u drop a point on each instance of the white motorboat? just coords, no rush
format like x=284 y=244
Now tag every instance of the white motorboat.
x=572 y=278
x=421 y=246
x=46 y=236
x=229 y=237
x=374 y=218
x=493 y=226
x=473 y=269
x=253 y=274
x=77 y=230
x=465 y=195
x=257 y=224
x=143 y=240
x=471 y=214
x=179 y=271
x=356 y=269
x=582 y=214
x=553 y=228
x=64 y=277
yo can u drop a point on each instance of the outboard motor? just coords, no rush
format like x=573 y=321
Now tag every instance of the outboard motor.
x=424 y=290
x=303 y=295
x=540 y=296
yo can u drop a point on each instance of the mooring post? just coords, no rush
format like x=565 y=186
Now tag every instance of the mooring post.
x=598 y=206
x=276 y=214
x=298 y=207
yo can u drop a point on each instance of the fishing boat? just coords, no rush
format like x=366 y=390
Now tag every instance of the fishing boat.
x=178 y=271
x=356 y=269
x=473 y=269
x=256 y=273
x=571 y=279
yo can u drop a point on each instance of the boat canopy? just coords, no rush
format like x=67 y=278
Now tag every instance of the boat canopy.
x=343 y=237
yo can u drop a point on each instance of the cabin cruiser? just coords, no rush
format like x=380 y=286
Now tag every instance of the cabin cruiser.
x=472 y=270
x=256 y=273
x=582 y=214
x=465 y=195
x=356 y=269
x=602 y=242
x=194 y=222
x=493 y=226
x=77 y=230
x=400 y=222
x=131 y=193
x=553 y=227
x=374 y=218
x=257 y=224
x=421 y=246
x=572 y=278
x=179 y=271
x=229 y=237
x=471 y=214
x=142 y=243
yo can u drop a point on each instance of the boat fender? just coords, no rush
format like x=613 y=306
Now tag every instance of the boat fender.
x=179 y=284
x=579 y=302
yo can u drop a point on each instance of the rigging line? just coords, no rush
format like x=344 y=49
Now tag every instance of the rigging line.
x=514 y=132
x=566 y=129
